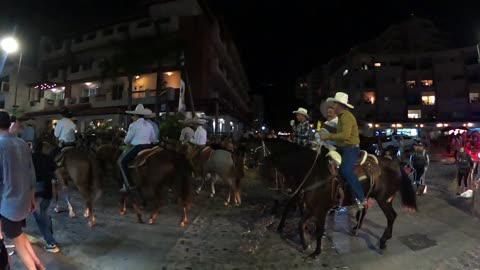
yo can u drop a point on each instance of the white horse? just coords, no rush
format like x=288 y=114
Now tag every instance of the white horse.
x=222 y=164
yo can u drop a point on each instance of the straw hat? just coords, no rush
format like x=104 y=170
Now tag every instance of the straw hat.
x=302 y=111
x=341 y=98
x=140 y=110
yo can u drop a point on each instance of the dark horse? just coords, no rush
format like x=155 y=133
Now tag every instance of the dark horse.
x=163 y=171
x=312 y=177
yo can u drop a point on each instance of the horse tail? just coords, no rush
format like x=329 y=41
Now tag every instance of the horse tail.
x=409 y=199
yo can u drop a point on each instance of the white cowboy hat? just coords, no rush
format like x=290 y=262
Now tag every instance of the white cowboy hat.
x=341 y=98
x=140 y=110
x=302 y=111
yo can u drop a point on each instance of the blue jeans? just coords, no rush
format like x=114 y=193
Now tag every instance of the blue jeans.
x=349 y=156
x=43 y=219
x=128 y=156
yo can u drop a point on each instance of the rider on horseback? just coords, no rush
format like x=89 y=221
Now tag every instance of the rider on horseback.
x=65 y=129
x=347 y=139
x=301 y=131
x=141 y=136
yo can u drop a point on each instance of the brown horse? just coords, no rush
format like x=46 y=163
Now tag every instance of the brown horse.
x=312 y=176
x=162 y=171
x=80 y=168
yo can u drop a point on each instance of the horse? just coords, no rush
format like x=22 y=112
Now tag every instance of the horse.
x=163 y=170
x=313 y=177
x=81 y=169
x=229 y=167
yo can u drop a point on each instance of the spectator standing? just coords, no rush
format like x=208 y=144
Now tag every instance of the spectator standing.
x=17 y=180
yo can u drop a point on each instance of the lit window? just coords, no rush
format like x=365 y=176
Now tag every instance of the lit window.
x=377 y=64
x=414 y=114
x=428 y=98
x=426 y=83
x=475 y=97
x=369 y=97
x=411 y=84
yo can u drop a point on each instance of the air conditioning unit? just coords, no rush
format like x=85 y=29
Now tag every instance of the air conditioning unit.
x=5 y=87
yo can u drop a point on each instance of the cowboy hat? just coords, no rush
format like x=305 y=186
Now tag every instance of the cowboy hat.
x=140 y=110
x=341 y=98
x=302 y=111
x=152 y=115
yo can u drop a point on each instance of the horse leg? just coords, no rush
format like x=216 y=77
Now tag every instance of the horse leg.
x=123 y=204
x=391 y=215
x=71 y=211
x=89 y=213
x=213 y=179
x=138 y=212
x=184 y=216
x=154 y=214
x=289 y=205
x=301 y=229
x=199 y=188
x=360 y=217
x=320 y=229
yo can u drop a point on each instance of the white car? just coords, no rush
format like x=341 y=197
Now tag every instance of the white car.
x=397 y=142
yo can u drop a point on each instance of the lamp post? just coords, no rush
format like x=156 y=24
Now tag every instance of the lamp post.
x=9 y=46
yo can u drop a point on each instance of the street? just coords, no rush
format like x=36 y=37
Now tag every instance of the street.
x=442 y=235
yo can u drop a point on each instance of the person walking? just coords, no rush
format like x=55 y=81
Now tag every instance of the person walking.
x=17 y=180
x=464 y=168
x=419 y=161
x=45 y=173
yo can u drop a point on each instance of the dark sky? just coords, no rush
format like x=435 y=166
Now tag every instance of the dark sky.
x=278 y=40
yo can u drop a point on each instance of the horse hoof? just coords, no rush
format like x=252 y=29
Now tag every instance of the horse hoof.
x=314 y=255
x=354 y=232
x=86 y=214
x=383 y=244
x=197 y=191
x=211 y=195
x=150 y=221
x=225 y=203
x=123 y=212
x=182 y=224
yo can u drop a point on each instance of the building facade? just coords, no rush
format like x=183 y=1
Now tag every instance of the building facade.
x=173 y=55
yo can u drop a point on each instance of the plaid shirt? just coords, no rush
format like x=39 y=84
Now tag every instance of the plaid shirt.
x=301 y=133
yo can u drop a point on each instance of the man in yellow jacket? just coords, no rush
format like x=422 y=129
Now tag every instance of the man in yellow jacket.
x=347 y=140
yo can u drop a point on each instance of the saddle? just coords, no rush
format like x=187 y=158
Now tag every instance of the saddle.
x=60 y=157
x=143 y=156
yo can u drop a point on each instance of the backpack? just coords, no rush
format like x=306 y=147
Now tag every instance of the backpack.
x=419 y=159
x=463 y=163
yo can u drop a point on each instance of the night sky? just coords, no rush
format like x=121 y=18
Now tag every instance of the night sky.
x=278 y=40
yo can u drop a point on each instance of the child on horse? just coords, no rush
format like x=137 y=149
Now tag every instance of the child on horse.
x=347 y=139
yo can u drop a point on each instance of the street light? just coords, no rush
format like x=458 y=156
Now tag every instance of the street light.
x=10 y=45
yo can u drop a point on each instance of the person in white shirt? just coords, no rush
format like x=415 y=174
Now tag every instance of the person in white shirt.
x=187 y=134
x=200 y=136
x=65 y=129
x=140 y=136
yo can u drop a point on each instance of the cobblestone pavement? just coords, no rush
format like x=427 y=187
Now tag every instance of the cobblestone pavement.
x=245 y=237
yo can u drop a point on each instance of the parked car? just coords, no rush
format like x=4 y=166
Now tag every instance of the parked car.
x=393 y=143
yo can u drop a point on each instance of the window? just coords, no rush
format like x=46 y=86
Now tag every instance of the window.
x=5 y=87
x=411 y=84
x=74 y=68
x=414 y=114
x=144 y=24
x=117 y=91
x=369 y=97
x=89 y=92
x=78 y=40
x=122 y=29
x=108 y=32
x=91 y=36
x=87 y=65
x=428 y=98
x=426 y=83
x=474 y=97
